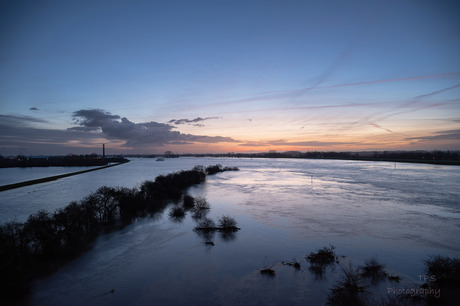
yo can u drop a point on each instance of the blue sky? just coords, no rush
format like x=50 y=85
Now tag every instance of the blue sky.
x=244 y=75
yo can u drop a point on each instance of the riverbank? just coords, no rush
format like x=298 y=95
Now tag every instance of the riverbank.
x=55 y=177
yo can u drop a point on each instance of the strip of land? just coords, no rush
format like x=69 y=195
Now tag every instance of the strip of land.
x=52 y=178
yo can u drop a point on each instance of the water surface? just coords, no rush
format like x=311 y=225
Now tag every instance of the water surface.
x=286 y=208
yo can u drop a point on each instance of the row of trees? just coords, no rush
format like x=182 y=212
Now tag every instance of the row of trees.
x=59 y=161
x=28 y=249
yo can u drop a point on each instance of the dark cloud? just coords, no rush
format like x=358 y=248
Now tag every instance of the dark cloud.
x=139 y=134
x=18 y=134
x=19 y=121
x=190 y=121
x=440 y=135
x=24 y=135
x=283 y=142
x=33 y=109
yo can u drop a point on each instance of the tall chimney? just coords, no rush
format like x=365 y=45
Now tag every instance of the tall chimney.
x=103 y=150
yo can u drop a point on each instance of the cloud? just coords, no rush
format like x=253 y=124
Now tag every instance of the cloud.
x=282 y=142
x=189 y=121
x=380 y=127
x=19 y=121
x=139 y=134
x=294 y=93
x=440 y=135
x=33 y=109
x=19 y=134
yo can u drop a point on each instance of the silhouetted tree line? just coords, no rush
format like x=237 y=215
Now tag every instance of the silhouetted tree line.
x=32 y=248
x=433 y=157
x=59 y=161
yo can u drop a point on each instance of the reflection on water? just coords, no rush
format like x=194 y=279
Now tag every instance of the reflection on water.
x=285 y=209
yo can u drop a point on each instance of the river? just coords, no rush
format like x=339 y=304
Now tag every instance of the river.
x=398 y=213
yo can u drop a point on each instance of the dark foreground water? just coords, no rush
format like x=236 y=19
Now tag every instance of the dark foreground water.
x=285 y=208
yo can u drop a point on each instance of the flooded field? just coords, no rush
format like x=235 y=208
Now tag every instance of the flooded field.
x=286 y=208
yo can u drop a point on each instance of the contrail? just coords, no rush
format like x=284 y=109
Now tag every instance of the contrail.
x=396 y=80
x=380 y=127
x=436 y=92
x=295 y=92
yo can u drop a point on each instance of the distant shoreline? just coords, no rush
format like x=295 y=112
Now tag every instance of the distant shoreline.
x=349 y=158
x=413 y=161
x=451 y=158
x=53 y=178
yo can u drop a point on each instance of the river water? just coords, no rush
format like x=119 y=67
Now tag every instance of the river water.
x=286 y=208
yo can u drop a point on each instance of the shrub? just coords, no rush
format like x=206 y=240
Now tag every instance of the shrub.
x=394 y=278
x=201 y=204
x=214 y=169
x=373 y=269
x=227 y=223
x=177 y=213
x=444 y=273
x=322 y=257
x=350 y=290
x=268 y=271
x=444 y=268
x=218 y=168
x=206 y=224
x=188 y=201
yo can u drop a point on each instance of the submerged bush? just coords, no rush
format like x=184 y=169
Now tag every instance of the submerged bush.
x=219 y=168
x=373 y=269
x=444 y=268
x=444 y=278
x=322 y=257
x=177 y=213
x=201 y=204
x=268 y=271
x=206 y=224
x=227 y=223
x=188 y=201
x=350 y=290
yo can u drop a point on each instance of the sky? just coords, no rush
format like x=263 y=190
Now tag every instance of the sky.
x=228 y=76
